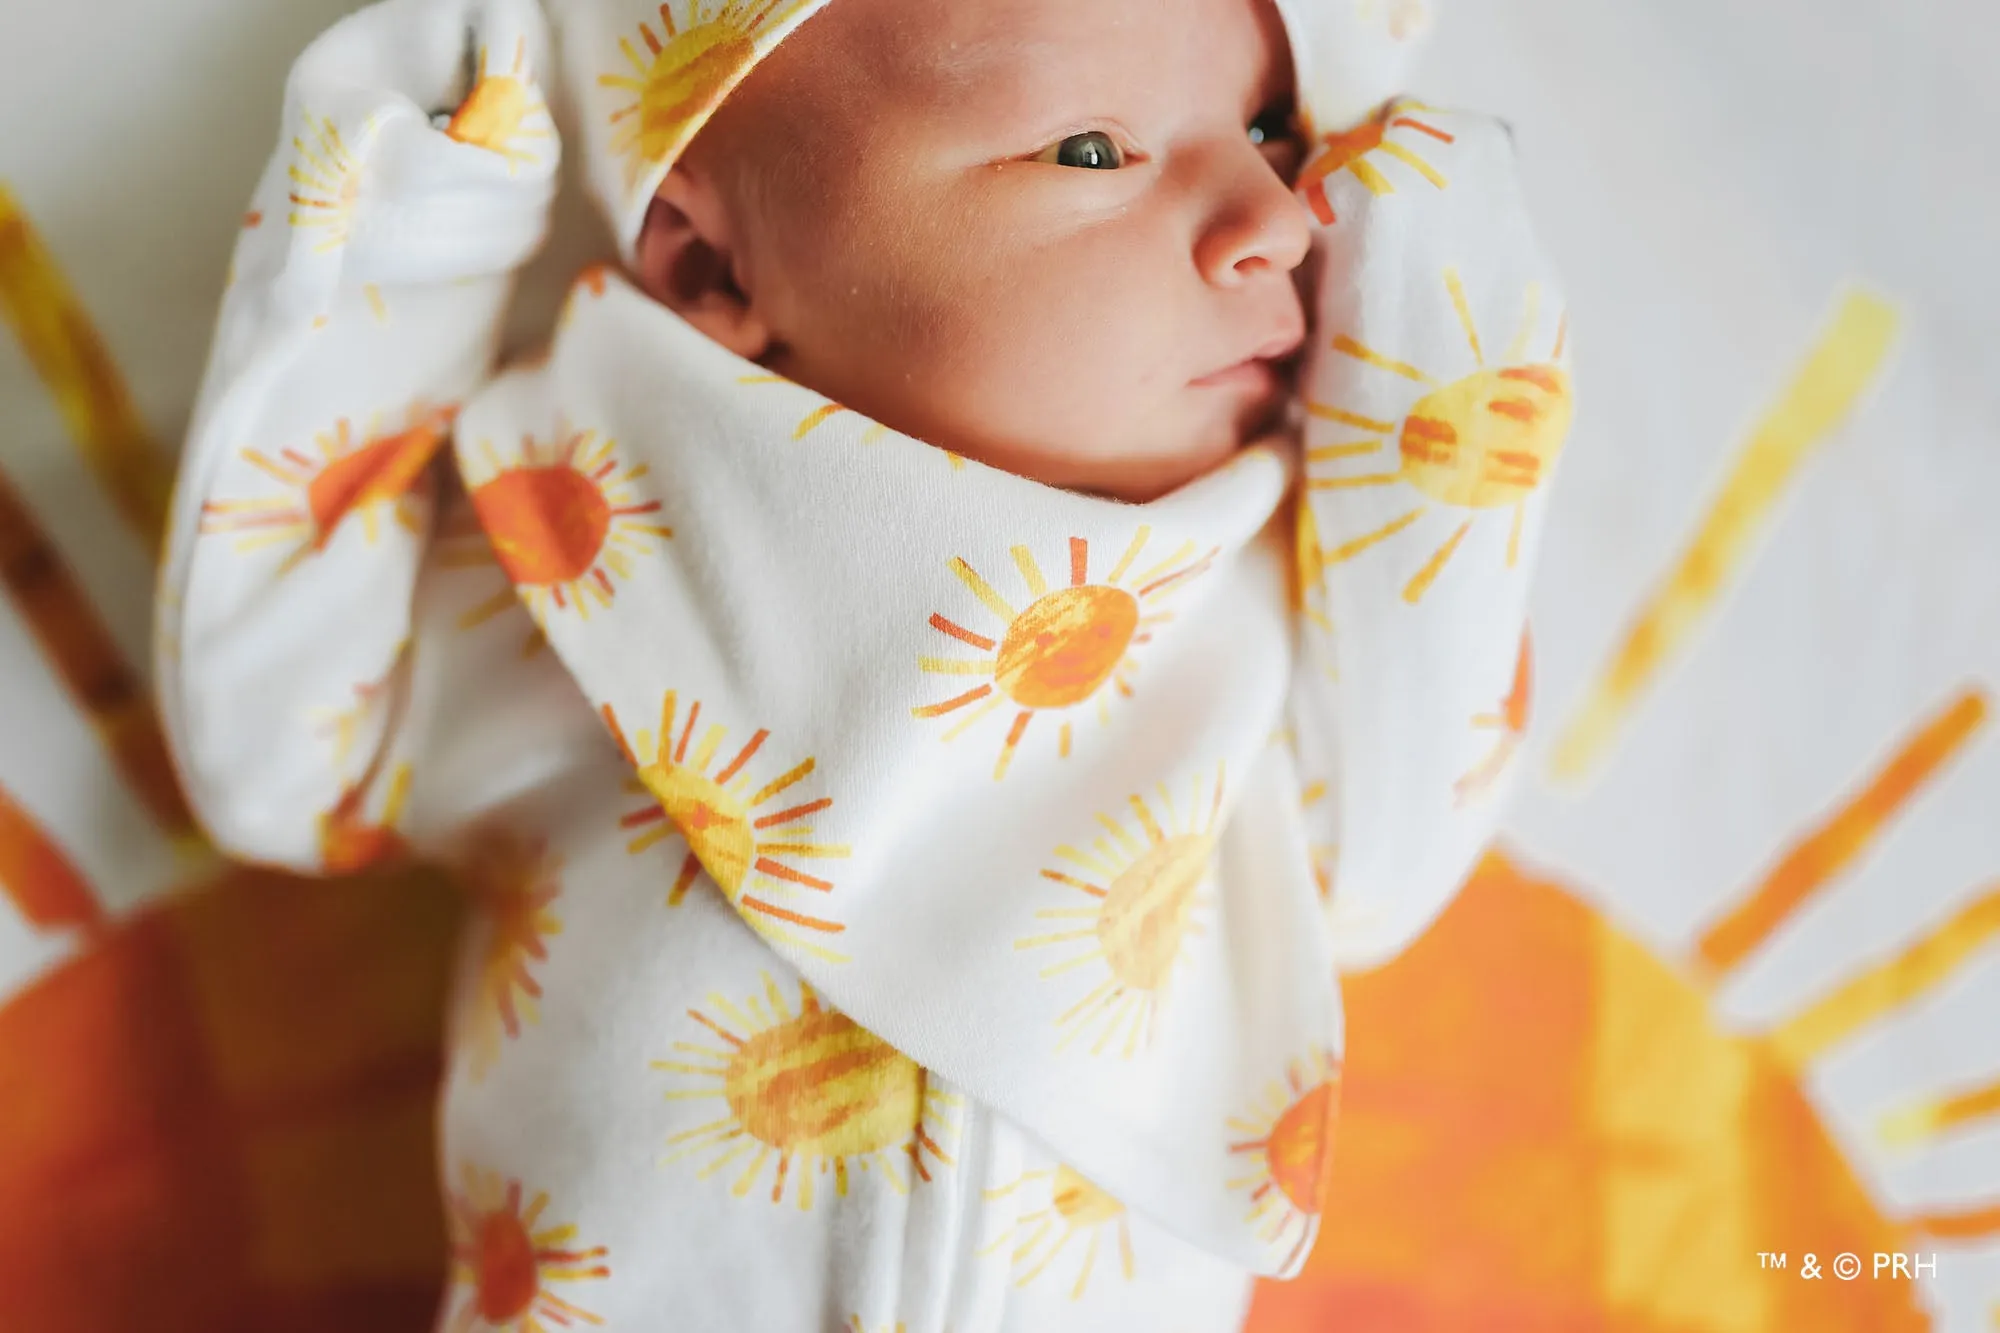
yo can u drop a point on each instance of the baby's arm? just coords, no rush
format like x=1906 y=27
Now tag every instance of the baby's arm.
x=1437 y=399
x=364 y=302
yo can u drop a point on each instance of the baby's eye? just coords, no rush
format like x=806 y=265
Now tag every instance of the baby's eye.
x=1272 y=127
x=1093 y=150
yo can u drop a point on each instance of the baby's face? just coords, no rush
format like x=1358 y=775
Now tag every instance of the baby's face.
x=1056 y=236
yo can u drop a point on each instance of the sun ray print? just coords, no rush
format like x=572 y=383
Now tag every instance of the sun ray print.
x=1141 y=883
x=1511 y=721
x=688 y=66
x=1482 y=442
x=506 y=1267
x=808 y=1092
x=756 y=859
x=514 y=884
x=326 y=180
x=563 y=519
x=1352 y=150
x=353 y=475
x=1070 y=645
x=1075 y=1207
x=503 y=110
x=1287 y=1139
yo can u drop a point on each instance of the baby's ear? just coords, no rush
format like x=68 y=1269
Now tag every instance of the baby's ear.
x=687 y=262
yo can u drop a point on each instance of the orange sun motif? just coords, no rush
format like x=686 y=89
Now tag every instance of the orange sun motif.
x=1511 y=722
x=1351 y=150
x=350 y=842
x=813 y=1089
x=715 y=814
x=351 y=476
x=1066 y=646
x=1076 y=1207
x=326 y=181
x=690 y=65
x=1143 y=893
x=1288 y=1138
x=562 y=520
x=513 y=884
x=503 y=109
x=504 y=1269
x=1485 y=441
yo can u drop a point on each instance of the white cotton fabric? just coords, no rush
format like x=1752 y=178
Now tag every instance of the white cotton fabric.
x=914 y=894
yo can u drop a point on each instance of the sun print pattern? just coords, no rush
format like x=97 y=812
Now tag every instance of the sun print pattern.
x=807 y=1092
x=1068 y=646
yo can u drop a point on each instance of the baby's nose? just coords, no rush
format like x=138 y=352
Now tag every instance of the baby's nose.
x=1258 y=226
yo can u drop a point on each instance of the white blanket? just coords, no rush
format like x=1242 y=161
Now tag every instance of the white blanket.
x=916 y=893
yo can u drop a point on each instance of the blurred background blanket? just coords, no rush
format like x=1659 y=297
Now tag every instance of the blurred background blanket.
x=1721 y=1006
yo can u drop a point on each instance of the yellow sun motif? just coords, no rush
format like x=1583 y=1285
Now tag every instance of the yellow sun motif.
x=689 y=67
x=352 y=476
x=326 y=181
x=751 y=857
x=504 y=1270
x=1288 y=1139
x=1066 y=646
x=503 y=109
x=811 y=1089
x=1485 y=441
x=1351 y=150
x=1143 y=892
x=563 y=521
x=1076 y=1207
x=514 y=884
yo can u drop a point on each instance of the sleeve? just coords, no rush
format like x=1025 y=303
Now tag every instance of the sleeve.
x=413 y=176
x=1437 y=400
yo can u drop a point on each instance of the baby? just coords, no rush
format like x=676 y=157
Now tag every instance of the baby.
x=877 y=671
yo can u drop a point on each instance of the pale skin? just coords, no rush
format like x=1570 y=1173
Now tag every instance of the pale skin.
x=1055 y=236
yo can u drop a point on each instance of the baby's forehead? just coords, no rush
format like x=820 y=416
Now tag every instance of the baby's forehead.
x=947 y=50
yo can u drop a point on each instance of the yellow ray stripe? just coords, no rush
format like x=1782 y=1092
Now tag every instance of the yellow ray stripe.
x=1328 y=453
x=84 y=657
x=982 y=589
x=1891 y=984
x=1327 y=412
x=1376 y=182
x=1403 y=154
x=1531 y=314
x=1927 y=1119
x=1842 y=365
x=1464 y=308
x=68 y=354
x=1347 y=346
x=1828 y=850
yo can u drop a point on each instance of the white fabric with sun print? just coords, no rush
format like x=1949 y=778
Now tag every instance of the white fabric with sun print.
x=911 y=891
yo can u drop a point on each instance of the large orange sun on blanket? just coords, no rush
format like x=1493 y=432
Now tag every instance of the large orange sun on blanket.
x=514 y=884
x=505 y=1269
x=1351 y=150
x=326 y=182
x=1141 y=883
x=360 y=475
x=755 y=859
x=690 y=64
x=503 y=109
x=1288 y=1140
x=1076 y=1207
x=809 y=1090
x=563 y=520
x=1484 y=441
x=1069 y=645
